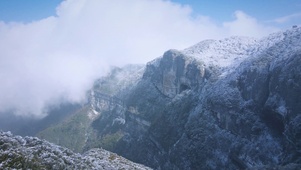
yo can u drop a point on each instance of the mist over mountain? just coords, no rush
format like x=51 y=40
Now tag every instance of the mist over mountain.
x=100 y=84
x=23 y=125
x=47 y=62
x=232 y=103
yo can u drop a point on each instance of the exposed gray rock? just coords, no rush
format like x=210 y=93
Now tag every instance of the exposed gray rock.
x=175 y=73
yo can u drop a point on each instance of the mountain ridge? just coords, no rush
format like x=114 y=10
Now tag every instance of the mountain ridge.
x=188 y=110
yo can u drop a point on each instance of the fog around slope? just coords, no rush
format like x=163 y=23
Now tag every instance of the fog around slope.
x=56 y=59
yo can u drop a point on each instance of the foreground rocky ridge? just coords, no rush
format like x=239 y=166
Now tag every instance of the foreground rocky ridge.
x=227 y=104
x=32 y=153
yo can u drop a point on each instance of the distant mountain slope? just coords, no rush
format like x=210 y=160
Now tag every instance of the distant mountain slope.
x=76 y=132
x=33 y=153
x=119 y=79
x=30 y=126
x=220 y=104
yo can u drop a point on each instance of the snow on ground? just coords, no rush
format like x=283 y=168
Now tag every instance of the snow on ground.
x=227 y=54
x=17 y=152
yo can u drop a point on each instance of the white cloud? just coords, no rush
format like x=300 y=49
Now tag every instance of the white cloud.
x=245 y=25
x=57 y=59
x=287 y=18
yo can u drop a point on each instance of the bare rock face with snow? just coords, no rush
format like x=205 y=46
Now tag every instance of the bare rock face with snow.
x=175 y=72
x=32 y=153
x=220 y=104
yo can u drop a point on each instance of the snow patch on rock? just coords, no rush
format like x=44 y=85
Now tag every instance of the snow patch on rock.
x=32 y=153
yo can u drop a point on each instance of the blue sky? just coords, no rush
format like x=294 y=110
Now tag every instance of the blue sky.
x=263 y=10
x=28 y=10
x=266 y=11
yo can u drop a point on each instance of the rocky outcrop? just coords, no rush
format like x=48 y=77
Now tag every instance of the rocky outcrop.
x=33 y=153
x=175 y=73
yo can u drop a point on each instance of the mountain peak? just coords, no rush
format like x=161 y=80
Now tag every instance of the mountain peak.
x=228 y=53
x=222 y=53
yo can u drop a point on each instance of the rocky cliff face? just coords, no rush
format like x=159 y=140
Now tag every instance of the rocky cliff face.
x=232 y=104
x=33 y=153
x=174 y=73
x=79 y=131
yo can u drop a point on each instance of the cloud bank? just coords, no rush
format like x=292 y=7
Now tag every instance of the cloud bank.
x=56 y=59
x=288 y=18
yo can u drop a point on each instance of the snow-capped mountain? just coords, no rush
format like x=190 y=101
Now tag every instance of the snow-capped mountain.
x=223 y=53
x=221 y=104
x=228 y=53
